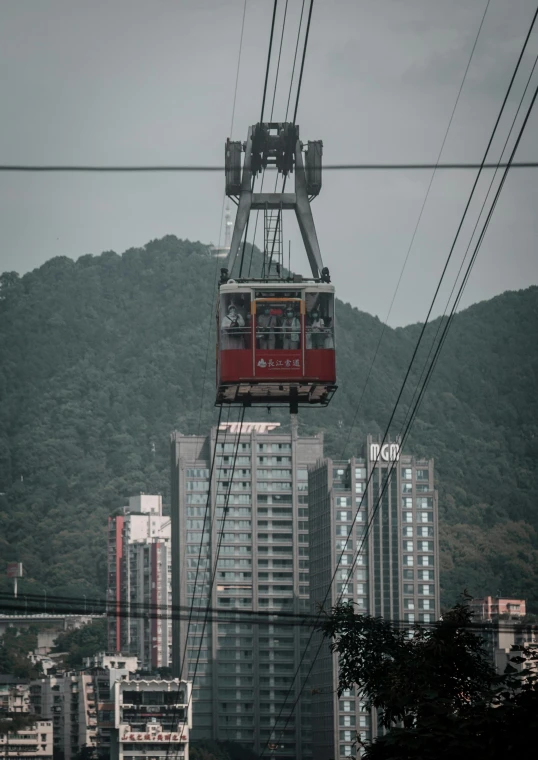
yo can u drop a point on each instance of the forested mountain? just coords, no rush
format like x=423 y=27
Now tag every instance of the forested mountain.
x=100 y=359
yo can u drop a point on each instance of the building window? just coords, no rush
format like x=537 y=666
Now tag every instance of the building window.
x=425 y=517
x=407 y=531
x=423 y=474
x=425 y=575
x=407 y=473
x=408 y=517
x=425 y=546
x=343 y=516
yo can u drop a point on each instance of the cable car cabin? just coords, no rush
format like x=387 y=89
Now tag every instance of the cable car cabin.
x=276 y=344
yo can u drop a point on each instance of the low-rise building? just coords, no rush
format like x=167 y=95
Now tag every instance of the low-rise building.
x=14 y=697
x=33 y=740
x=26 y=736
x=491 y=607
x=68 y=703
x=152 y=719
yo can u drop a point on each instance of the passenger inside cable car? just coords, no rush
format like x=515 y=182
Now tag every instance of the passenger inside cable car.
x=271 y=337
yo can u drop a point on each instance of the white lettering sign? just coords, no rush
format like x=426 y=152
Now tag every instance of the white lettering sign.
x=249 y=427
x=389 y=452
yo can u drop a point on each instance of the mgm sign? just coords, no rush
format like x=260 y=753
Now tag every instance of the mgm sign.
x=389 y=452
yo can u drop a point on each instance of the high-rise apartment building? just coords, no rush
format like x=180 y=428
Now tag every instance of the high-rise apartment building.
x=258 y=514
x=139 y=576
x=388 y=567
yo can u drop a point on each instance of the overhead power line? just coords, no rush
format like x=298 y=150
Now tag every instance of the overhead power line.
x=186 y=168
x=33 y=605
x=417 y=225
x=428 y=376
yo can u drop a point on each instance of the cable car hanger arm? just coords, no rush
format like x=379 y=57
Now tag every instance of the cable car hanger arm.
x=284 y=150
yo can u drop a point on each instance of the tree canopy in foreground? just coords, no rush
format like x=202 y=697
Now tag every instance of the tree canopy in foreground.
x=436 y=693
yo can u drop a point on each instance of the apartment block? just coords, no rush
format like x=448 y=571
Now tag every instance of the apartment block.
x=373 y=542
x=139 y=580
x=151 y=719
x=28 y=735
x=255 y=543
x=68 y=703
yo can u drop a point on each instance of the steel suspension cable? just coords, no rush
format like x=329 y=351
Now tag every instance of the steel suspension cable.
x=385 y=323
x=408 y=371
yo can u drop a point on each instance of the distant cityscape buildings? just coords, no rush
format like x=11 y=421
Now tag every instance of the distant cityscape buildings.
x=284 y=537
x=106 y=710
x=221 y=599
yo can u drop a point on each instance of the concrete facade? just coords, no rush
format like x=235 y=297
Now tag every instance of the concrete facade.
x=139 y=577
x=68 y=703
x=388 y=567
x=151 y=718
x=245 y=670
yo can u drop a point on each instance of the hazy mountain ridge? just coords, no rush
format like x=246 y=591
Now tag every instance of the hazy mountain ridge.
x=103 y=357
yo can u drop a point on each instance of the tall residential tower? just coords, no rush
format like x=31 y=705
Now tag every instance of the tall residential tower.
x=245 y=670
x=389 y=566
x=139 y=575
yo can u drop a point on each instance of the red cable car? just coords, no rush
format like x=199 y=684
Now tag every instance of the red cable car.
x=276 y=338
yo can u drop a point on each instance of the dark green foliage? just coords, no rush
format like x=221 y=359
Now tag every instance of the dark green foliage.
x=82 y=642
x=91 y=753
x=15 y=644
x=210 y=750
x=12 y=723
x=102 y=358
x=437 y=695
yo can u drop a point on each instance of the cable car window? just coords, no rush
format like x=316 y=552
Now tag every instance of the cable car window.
x=235 y=320
x=319 y=320
x=278 y=324
x=277 y=295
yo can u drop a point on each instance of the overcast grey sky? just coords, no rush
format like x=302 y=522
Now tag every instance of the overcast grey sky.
x=132 y=81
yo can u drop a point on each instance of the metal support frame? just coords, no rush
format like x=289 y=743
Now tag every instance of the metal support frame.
x=298 y=201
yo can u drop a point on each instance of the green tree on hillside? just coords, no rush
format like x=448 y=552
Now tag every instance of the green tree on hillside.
x=103 y=357
x=82 y=642
x=15 y=644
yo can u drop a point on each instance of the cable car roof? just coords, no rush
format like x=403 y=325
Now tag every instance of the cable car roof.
x=276 y=285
